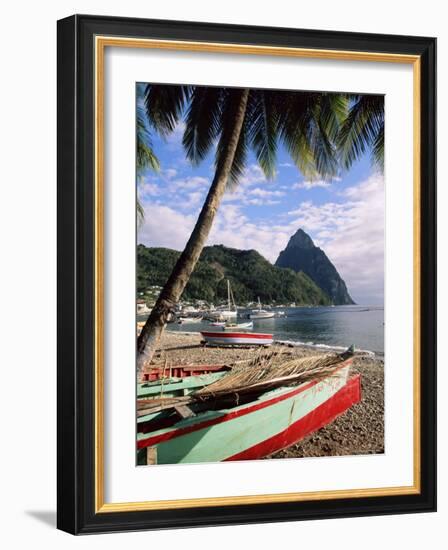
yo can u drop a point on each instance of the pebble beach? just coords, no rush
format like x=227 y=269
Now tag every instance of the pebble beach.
x=359 y=431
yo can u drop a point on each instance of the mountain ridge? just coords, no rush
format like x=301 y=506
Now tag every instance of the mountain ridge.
x=250 y=275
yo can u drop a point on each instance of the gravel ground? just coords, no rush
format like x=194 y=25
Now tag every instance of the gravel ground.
x=360 y=430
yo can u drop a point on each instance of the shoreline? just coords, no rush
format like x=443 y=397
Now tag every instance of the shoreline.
x=318 y=348
x=360 y=430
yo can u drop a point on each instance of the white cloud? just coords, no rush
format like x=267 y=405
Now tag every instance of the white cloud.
x=266 y=193
x=169 y=173
x=232 y=228
x=165 y=227
x=192 y=201
x=252 y=174
x=253 y=196
x=261 y=202
x=190 y=182
x=312 y=184
x=174 y=139
x=147 y=189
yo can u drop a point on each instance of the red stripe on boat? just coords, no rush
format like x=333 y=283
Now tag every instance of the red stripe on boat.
x=250 y=335
x=150 y=441
x=316 y=419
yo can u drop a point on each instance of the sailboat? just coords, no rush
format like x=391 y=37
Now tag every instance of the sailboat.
x=231 y=311
x=261 y=313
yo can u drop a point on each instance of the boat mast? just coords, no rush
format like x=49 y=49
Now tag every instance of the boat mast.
x=231 y=298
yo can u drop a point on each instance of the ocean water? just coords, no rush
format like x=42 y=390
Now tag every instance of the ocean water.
x=334 y=327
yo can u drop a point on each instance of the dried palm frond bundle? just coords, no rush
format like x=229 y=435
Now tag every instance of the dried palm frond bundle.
x=272 y=369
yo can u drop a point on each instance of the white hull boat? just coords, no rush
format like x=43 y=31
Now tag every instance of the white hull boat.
x=237 y=339
x=183 y=320
x=261 y=313
x=227 y=314
x=238 y=326
x=231 y=311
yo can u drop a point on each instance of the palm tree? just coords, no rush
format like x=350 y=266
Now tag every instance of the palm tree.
x=145 y=156
x=236 y=120
x=363 y=129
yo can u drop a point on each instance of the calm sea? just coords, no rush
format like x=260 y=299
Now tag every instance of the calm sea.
x=339 y=327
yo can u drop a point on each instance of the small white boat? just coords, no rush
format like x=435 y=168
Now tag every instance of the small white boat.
x=218 y=324
x=261 y=313
x=142 y=309
x=237 y=338
x=190 y=310
x=238 y=326
x=183 y=320
x=227 y=314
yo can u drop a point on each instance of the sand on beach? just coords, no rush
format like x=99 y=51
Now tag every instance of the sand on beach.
x=360 y=430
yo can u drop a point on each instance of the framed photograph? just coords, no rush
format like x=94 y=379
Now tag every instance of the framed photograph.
x=246 y=271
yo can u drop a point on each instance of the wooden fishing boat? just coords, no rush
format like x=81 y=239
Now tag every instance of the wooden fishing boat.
x=237 y=338
x=180 y=371
x=264 y=419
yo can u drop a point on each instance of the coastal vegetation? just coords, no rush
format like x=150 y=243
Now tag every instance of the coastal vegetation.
x=251 y=276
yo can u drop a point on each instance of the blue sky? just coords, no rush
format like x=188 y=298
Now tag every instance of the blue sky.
x=345 y=217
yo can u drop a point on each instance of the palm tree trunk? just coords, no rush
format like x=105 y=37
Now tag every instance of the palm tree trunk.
x=172 y=291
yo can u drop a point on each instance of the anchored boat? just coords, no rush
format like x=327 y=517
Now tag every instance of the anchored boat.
x=238 y=326
x=183 y=320
x=229 y=312
x=261 y=313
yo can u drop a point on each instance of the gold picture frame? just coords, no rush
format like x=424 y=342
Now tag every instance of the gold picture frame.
x=95 y=35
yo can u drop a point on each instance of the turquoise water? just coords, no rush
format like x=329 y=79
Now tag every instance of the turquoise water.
x=338 y=326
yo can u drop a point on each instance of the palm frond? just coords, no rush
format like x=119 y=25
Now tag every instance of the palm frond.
x=145 y=157
x=140 y=213
x=262 y=116
x=363 y=128
x=295 y=117
x=333 y=112
x=164 y=105
x=378 y=149
x=145 y=154
x=202 y=122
